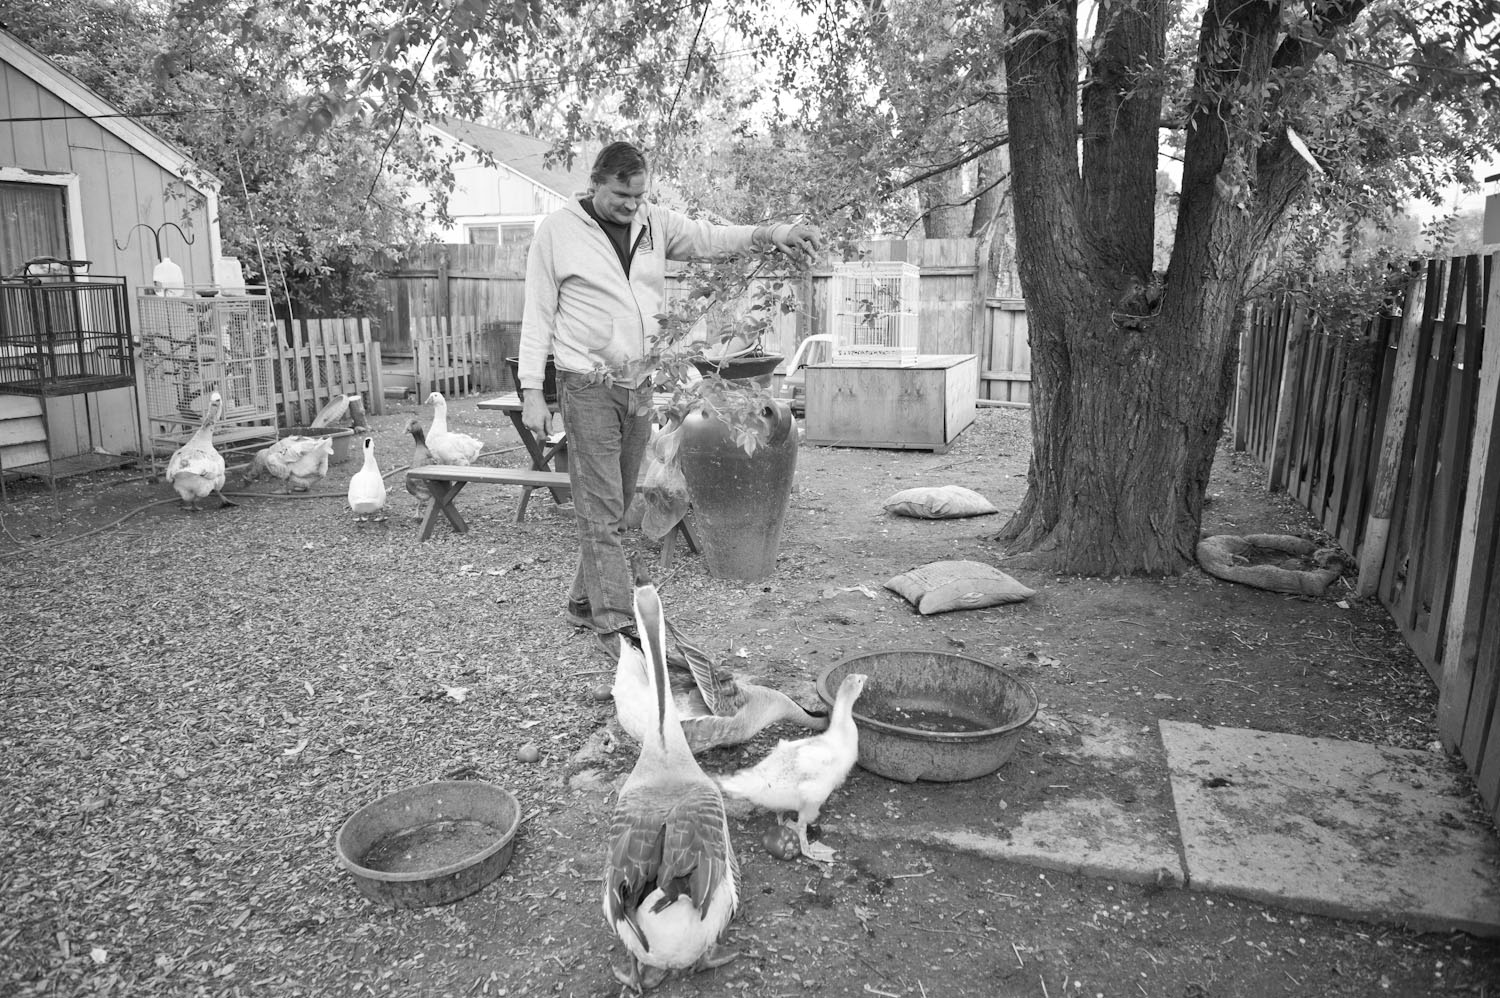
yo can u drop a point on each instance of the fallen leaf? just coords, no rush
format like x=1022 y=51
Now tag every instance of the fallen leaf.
x=458 y=693
x=98 y=955
x=296 y=749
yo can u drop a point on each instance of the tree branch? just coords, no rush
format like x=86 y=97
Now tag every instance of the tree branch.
x=959 y=160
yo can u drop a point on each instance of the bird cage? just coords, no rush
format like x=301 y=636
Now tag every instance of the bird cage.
x=64 y=332
x=64 y=335
x=202 y=341
x=873 y=312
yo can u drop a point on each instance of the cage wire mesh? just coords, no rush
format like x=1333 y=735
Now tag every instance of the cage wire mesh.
x=194 y=345
x=873 y=312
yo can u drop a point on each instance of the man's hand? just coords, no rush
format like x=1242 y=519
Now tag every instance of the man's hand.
x=536 y=415
x=801 y=242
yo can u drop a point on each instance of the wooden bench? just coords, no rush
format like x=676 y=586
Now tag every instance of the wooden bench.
x=446 y=481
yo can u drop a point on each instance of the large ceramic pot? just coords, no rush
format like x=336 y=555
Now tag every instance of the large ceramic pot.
x=739 y=500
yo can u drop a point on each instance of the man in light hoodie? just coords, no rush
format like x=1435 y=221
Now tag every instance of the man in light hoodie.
x=595 y=283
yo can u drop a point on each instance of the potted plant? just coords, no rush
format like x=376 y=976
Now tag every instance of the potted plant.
x=725 y=438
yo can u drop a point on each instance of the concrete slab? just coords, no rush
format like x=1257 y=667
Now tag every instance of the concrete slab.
x=1335 y=828
x=1129 y=836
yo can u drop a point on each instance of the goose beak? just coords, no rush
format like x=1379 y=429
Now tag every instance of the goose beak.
x=650 y=622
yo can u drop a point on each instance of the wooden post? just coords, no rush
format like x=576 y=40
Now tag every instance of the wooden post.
x=1378 y=524
x=377 y=379
x=1476 y=534
x=1291 y=374
x=1241 y=423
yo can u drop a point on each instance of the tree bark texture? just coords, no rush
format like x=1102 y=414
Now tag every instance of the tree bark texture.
x=1132 y=372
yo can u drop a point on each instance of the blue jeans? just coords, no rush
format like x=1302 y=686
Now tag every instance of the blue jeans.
x=608 y=428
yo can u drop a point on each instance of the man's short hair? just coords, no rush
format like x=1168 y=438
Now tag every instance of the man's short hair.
x=617 y=161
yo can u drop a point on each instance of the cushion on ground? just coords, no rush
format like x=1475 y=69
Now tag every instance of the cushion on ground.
x=957 y=585
x=1280 y=563
x=939 y=502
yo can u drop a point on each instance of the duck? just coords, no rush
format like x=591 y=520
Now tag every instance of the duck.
x=420 y=458
x=196 y=469
x=367 y=487
x=715 y=707
x=445 y=445
x=671 y=878
x=799 y=776
x=299 y=462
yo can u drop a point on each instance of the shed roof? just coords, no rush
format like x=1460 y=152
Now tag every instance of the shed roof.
x=89 y=104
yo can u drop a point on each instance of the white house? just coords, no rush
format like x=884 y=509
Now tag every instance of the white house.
x=502 y=204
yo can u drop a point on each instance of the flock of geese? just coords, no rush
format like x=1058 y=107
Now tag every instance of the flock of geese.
x=671 y=879
x=196 y=470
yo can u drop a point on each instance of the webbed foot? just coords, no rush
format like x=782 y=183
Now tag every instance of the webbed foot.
x=717 y=956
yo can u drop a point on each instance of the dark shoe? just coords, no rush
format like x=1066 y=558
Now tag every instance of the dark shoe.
x=579 y=613
x=610 y=641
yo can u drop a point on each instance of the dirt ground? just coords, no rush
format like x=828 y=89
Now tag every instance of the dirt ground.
x=194 y=703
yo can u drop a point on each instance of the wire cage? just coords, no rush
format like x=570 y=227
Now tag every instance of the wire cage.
x=873 y=312
x=65 y=333
x=202 y=341
x=62 y=334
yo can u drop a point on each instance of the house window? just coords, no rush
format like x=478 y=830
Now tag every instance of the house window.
x=483 y=235
x=515 y=234
x=33 y=223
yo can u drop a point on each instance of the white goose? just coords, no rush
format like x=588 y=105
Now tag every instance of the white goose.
x=799 y=776
x=671 y=880
x=716 y=708
x=299 y=462
x=367 y=487
x=448 y=446
x=196 y=469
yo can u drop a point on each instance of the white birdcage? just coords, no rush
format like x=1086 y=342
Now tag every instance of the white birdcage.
x=873 y=312
x=203 y=341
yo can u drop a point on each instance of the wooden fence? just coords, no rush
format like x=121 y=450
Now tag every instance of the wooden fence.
x=317 y=359
x=1389 y=438
x=448 y=356
x=442 y=291
x=1005 y=364
x=481 y=287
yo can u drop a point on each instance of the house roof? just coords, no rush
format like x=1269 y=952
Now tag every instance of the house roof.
x=522 y=153
x=73 y=91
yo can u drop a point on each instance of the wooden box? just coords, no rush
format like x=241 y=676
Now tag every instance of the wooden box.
x=921 y=406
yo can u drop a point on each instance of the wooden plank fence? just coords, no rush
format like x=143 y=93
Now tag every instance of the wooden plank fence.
x=485 y=285
x=447 y=356
x=1390 y=440
x=480 y=285
x=1005 y=365
x=317 y=359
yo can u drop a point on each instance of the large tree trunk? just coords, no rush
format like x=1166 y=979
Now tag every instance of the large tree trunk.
x=946 y=208
x=1131 y=377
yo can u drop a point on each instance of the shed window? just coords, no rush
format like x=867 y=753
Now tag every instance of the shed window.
x=33 y=223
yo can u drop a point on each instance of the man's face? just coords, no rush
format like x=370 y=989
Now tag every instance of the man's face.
x=617 y=200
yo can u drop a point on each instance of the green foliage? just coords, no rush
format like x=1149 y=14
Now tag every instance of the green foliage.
x=729 y=306
x=309 y=213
